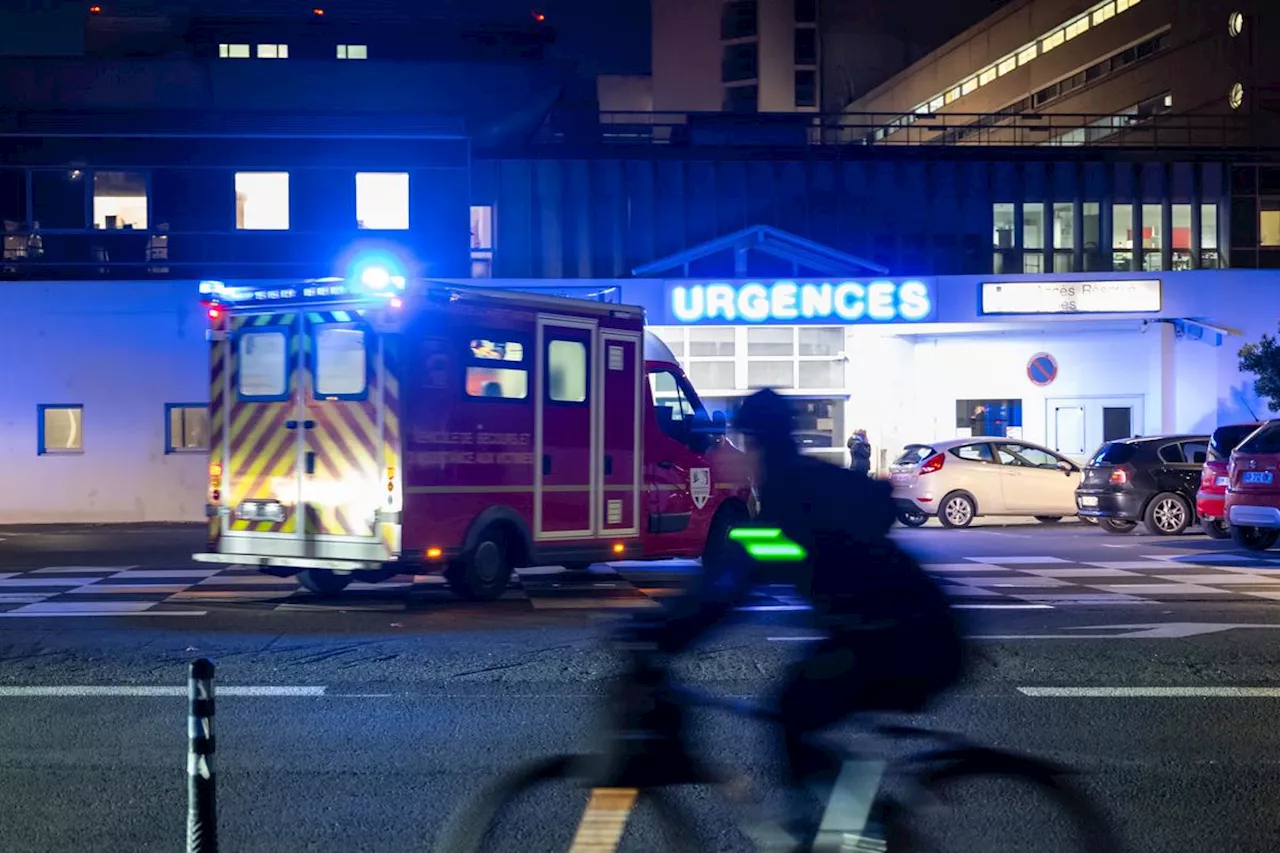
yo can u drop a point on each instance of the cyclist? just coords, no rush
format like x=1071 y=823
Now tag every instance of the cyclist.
x=891 y=643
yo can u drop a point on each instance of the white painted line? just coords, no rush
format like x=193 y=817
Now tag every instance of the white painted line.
x=71 y=570
x=1001 y=607
x=244 y=580
x=24 y=613
x=16 y=582
x=1158 y=589
x=1032 y=582
x=130 y=589
x=1026 y=560
x=1164 y=558
x=1234 y=578
x=182 y=593
x=1224 y=557
x=962 y=567
x=165 y=573
x=1159 y=692
x=158 y=690
x=24 y=597
x=1126 y=565
x=81 y=608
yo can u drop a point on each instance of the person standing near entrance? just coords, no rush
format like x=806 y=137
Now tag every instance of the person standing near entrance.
x=860 y=452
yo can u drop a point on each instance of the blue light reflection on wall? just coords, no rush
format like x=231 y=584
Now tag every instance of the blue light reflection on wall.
x=878 y=301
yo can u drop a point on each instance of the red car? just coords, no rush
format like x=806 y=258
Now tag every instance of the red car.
x=1213 y=478
x=1253 y=489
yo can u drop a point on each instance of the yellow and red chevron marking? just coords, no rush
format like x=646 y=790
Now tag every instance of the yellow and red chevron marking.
x=263 y=450
x=391 y=433
x=217 y=428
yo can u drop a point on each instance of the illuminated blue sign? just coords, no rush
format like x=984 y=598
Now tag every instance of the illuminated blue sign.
x=877 y=301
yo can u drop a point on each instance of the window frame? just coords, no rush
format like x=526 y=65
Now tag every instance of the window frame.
x=41 y=448
x=992 y=460
x=170 y=449
x=469 y=361
x=367 y=339
x=689 y=394
x=246 y=331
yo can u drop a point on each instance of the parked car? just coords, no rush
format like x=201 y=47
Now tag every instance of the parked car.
x=1213 y=478
x=962 y=479
x=1152 y=480
x=1253 y=489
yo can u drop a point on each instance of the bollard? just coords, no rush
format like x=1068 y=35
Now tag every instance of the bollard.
x=202 y=802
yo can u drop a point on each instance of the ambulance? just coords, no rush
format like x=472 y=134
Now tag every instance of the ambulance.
x=369 y=426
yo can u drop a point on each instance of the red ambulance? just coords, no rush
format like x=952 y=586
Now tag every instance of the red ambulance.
x=371 y=426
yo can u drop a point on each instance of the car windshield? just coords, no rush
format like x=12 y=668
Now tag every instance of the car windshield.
x=1114 y=453
x=1225 y=439
x=914 y=454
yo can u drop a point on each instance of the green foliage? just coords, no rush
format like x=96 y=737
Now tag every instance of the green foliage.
x=1263 y=361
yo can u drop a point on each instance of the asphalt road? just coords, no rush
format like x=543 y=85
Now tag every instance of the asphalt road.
x=384 y=709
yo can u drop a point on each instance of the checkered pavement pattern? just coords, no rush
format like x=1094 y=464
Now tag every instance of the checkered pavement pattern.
x=1008 y=581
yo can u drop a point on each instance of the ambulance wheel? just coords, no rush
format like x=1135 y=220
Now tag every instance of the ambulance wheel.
x=726 y=519
x=323 y=581
x=485 y=573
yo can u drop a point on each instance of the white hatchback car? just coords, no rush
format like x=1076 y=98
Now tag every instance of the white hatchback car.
x=962 y=478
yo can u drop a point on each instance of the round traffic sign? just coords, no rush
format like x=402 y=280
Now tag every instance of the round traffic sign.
x=1042 y=369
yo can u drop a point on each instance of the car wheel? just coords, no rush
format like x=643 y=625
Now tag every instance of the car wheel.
x=1216 y=528
x=1254 y=538
x=323 y=581
x=1048 y=519
x=1116 y=525
x=485 y=573
x=912 y=518
x=1168 y=514
x=956 y=510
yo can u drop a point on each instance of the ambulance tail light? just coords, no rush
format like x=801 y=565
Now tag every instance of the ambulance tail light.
x=933 y=463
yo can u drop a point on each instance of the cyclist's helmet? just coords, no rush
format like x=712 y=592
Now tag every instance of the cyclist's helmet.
x=767 y=417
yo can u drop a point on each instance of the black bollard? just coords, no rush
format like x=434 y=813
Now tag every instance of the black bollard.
x=202 y=801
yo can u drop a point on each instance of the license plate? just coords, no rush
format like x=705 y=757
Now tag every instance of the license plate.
x=1261 y=477
x=899 y=479
x=1222 y=481
x=1088 y=500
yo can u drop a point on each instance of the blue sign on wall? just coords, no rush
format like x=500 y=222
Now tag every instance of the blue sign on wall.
x=837 y=302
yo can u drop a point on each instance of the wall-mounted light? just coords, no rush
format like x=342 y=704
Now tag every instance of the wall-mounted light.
x=95 y=9
x=318 y=12
x=539 y=17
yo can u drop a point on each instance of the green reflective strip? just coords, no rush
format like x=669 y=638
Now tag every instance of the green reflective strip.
x=754 y=534
x=776 y=551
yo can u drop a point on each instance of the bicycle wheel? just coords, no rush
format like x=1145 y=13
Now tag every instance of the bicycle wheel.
x=1023 y=805
x=546 y=806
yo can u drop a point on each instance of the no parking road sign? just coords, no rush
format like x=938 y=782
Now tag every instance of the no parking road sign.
x=1042 y=369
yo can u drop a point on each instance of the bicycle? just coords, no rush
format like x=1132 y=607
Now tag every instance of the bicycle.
x=644 y=755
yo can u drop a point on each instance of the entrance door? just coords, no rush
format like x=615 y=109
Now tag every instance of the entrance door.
x=1077 y=426
x=566 y=440
x=258 y=437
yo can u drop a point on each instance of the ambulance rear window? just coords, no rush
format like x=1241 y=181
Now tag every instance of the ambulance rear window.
x=342 y=364
x=263 y=364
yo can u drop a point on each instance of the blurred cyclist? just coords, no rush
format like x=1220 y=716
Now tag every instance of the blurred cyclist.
x=890 y=642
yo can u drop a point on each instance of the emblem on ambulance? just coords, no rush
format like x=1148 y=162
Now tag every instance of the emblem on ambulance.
x=700 y=486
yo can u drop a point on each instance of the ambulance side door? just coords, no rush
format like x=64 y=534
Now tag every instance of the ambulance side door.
x=677 y=478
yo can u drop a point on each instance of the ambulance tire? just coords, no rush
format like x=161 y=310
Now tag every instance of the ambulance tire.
x=323 y=581
x=729 y=516
x=485 y=573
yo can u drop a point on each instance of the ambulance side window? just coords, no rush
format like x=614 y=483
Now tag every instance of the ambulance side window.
x=567 y=371
x=485 y=379
x=342 y=362
x=673 y=407
x=263 y=361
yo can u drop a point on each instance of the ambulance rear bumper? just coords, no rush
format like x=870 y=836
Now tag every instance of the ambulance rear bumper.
x=292 y=565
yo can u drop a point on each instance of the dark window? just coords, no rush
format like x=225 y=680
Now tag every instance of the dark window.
x=806 y=88
x=59 y=198
x=1265 y=440
x=806 y=11
x=1225 y=439
x=1117 y=422
x=974 y=452
x=738 y=20
x=806 y=46
x=914 y=454
x=738 y=62
x=740 y=99
x=1114 y=453
x=1172 y=454
x=1195 y=452
x=13 y=197
x=1147 y=48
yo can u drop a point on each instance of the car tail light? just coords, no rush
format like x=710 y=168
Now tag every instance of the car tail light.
x=933 y=463
x=1120 y=476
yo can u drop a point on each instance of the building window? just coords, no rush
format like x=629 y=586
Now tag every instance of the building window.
x=806 y=88
x=1236 y=97
x=968 y=86
x=382 y=200
x=1269 y=223
x=1235 y=23
x=741 y=99
x=60 y=429
x=1064 y=236
x=1076 y=27
x=1049 y=43
x=1091 y=235
x=1209 y=236
x=987 y=76
x=353 y=51
x=712 y=342
x=806 y=11
x=738 y=20
x=1006 y=66
x=1002 y=237
x=1105 y=13
x=58 y=199
x=953 y=95
x=1152 y=238
x=711 y=357
x=119 y=201
x=233 y=51
x=1027 y=55
x=481 y=241
x=771 y=341
x=262 y=201
x=738 y=62
x=806 y=44
x=273 y=51
x=186 y=427
x=1033 y=225
x=1121 y=236
x=1181 y=237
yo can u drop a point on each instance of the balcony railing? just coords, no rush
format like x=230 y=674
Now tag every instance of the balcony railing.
x=809 y=130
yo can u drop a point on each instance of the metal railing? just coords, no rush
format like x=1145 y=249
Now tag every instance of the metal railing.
x=812 y=130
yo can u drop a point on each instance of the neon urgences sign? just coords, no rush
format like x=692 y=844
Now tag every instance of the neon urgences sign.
x=877 y=301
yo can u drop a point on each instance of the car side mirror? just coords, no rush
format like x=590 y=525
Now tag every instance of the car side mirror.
x=1067 y=467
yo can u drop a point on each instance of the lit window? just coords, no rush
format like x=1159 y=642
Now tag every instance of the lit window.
x=119 y=201
x=262 y=362
x=968 y=86
x=1122 y=5
x=504 y=383
x=1053 y=41
x=1076 y=27
x=936 y=104
x=953 y=94
x=1027 y=55
x=1007 y=65
x=186 y=428
x=567 y=371
x=1106 y=13
x=262 y=201
x=342 y=361
x=273 y=51
x=353 y=51
x=987 y=76
x=1269 y=223
x=60 y=428
x=1236 y=98
x=482 y=241
x=233 y=51
x=1235 y=23
x=382 y=200
x=1168 y=100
